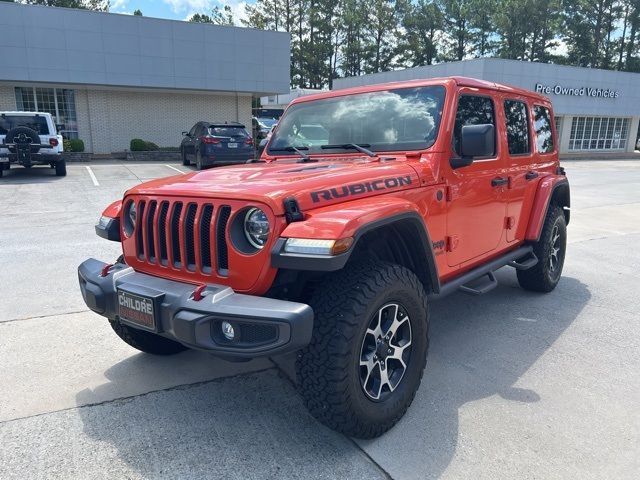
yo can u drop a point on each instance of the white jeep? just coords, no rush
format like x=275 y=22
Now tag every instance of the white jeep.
x=30 y=138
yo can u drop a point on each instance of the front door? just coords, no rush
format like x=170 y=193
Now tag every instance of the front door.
x=476 y=194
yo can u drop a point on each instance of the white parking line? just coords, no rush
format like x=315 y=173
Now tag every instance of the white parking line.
x=93 y=177
x=174 y=168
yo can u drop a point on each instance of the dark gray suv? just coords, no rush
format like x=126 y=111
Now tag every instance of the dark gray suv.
x=215 y=144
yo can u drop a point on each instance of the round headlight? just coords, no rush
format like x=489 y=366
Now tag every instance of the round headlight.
x=256 y=227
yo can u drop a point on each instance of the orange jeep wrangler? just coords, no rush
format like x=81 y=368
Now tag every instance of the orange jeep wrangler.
x=366 y=205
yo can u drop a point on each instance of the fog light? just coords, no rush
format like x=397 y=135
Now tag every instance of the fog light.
x=227 y=331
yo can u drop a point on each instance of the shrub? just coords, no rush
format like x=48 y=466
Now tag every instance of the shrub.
x=139 y=145
x=75 y=145
x=72 y=145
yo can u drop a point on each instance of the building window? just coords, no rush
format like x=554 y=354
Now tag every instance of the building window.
x=59 y=102
x=599 y=133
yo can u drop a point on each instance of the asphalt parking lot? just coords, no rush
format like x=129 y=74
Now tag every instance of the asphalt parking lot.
x=518 y=385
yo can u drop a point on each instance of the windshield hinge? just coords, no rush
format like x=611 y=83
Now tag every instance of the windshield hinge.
x=292 y=210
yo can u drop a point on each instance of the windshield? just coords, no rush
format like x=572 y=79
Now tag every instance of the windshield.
x=228 y=132
x=389 y=120
x=37 y=123
x=267 y=122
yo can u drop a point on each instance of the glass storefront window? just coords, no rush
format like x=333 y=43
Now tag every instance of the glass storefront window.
x=59 y=102
x=599 y=133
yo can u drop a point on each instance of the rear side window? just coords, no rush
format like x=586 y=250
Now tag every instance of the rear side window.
x=472 y=110
x=39 y=123
x=517 y=121
x=542 y=124
x=234 y=132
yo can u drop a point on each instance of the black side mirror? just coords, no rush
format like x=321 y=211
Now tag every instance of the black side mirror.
x=185 y=134
x=475 y=141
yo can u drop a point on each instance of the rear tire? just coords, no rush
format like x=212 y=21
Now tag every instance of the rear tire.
x=145 y=341
x=356 y=376
x=550 y=250
x=61 y=168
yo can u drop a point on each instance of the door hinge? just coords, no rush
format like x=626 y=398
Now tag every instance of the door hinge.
x=448 y=193
x=451 y=243
x=509 y=222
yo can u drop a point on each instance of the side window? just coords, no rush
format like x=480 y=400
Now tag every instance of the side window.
x=542 y=124
x=472 y=110
x=517 y=121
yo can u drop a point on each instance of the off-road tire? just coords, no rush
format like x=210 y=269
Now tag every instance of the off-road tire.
x=146 y=342
x=328 y=371
x=185 y=161
x=61 y=168
x=541 y=277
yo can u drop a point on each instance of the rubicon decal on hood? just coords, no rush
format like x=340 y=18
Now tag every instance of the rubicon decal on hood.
x=359 y=188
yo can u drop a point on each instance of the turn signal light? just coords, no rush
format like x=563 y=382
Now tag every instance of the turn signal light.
x=53 y=142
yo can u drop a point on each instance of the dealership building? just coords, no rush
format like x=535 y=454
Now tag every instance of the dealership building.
x=108 y=78
x=597 y=111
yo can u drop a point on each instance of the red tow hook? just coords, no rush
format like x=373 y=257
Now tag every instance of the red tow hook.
x=197 y=293
x=105 y=270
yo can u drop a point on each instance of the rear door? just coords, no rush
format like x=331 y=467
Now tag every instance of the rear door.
x=477 y=205
x=517 y=125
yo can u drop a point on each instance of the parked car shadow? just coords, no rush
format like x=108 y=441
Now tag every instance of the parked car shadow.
x=255 y=426
x=36 y=174
x=480 y=347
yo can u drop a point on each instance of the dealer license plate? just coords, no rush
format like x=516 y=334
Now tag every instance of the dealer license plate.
x=136 y=309
x=232 y=145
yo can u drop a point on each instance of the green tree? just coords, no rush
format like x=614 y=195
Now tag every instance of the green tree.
x=422 y=23
x=99 y=5
x=457 y=22
x=137 y=12
x=482 y=22
x=218 y=16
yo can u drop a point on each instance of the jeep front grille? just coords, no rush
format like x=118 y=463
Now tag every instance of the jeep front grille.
x=185 y=236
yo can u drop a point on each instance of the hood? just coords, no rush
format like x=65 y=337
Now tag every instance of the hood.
x=311 y=184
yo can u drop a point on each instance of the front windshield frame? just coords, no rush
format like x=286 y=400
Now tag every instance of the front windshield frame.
x=283 y=134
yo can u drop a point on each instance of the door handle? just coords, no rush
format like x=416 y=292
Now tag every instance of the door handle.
x=499 y=181
x=531 y=175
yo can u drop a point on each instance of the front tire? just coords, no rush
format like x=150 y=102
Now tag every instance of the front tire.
x=61 y=168
x=198 y=160
x=145 y=341
x=550 y=250
x=185 y=161
x=361 y=370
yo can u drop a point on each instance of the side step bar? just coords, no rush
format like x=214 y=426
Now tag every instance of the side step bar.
x=511 y=259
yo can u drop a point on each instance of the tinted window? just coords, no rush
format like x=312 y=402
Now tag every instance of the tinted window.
x=39 y=124
x=542 y=123
x=472 y=111
x=388 y=120
x=228 y=132
x=515 y=113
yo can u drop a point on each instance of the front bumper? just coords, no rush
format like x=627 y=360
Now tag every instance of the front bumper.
x=265 y=326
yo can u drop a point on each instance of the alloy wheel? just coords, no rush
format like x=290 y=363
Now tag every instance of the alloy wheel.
x=385 y=351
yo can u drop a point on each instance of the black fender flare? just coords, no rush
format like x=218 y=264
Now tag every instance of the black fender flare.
x=325 y=263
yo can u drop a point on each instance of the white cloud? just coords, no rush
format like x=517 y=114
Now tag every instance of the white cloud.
x=118 y=6
x=189 y=7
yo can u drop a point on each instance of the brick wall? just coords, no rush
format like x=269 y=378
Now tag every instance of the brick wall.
x=7 y=97
x=109 y=119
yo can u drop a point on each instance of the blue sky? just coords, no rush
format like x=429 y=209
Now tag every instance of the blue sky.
x=176 y=9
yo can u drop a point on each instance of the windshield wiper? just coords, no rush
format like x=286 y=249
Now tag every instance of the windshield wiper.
x=297 y=150
x=354 y=146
